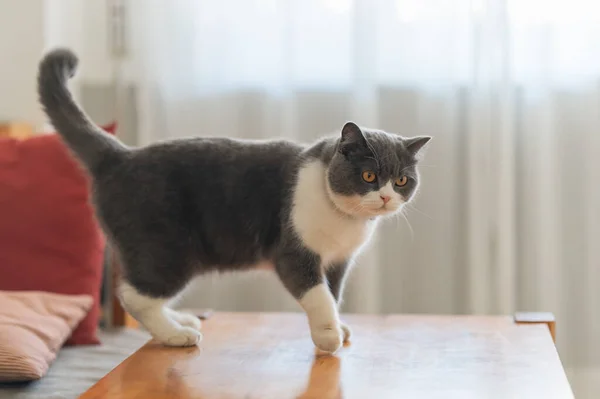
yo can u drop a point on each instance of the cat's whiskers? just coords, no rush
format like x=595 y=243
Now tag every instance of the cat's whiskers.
x=429 y=166
x=410 y=228
x=407 y=167
x=397 y=220
x=387 y=156
x=414 y=208
x=370 y=146
x=373 y=158
x=357 y=208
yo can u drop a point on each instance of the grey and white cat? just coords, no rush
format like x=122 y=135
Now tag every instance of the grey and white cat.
x=180 y=208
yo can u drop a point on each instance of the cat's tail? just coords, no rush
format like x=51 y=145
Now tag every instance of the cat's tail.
x=92 y=145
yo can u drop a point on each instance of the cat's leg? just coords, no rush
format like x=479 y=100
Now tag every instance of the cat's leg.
x=153 y=276
x=301 y=274
x=162 y=323
x=336 y=278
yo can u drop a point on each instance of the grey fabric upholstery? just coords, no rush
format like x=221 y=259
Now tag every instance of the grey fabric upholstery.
x=78 y=368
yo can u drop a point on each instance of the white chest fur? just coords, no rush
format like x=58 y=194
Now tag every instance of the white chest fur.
x=322 y=228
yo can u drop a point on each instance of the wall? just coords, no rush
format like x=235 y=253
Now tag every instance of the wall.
x=21 y=43
x=41 y=25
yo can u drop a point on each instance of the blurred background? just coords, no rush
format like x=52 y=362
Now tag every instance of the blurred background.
x=508 y=217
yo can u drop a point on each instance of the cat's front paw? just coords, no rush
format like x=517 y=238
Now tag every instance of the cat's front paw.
x=185 y=319
x=327 y=339
x=183 y=336
x=347 y=332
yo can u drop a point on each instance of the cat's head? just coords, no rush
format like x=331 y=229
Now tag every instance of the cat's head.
x=373 y=173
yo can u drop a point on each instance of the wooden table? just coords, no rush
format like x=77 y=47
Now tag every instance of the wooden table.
x=270 y=355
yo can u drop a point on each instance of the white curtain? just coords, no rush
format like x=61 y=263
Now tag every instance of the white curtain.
x=508 y=216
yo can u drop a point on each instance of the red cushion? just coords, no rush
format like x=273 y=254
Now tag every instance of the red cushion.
x=49 y=237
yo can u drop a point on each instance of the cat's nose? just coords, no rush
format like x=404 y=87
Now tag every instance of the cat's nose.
x=385 y=198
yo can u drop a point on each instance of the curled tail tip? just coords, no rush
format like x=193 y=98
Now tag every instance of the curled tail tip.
x=59 y=65
x=60 y=58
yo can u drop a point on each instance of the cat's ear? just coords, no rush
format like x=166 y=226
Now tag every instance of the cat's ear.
x=415 y=144
x=352 y=137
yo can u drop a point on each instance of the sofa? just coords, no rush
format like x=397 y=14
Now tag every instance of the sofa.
x=51 y=246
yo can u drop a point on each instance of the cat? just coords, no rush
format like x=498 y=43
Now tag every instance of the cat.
x=179 y=208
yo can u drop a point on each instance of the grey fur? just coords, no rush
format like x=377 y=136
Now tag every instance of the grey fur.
x=87 y=140
x=180 y=208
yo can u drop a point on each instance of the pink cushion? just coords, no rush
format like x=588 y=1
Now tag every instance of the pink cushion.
x=33 y=327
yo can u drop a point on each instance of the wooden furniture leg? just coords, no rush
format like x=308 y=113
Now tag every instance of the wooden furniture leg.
x=538 y=318
x=120 y=318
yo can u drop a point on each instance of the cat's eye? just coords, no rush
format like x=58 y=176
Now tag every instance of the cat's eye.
x=369 y=176
x=401 y=181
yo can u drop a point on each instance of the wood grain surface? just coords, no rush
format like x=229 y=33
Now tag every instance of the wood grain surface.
x=270 y=355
